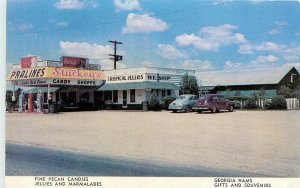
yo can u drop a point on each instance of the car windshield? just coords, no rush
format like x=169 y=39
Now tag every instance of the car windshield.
x=181 y=97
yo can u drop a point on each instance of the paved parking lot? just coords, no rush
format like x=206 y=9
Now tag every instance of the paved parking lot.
x=264 y=142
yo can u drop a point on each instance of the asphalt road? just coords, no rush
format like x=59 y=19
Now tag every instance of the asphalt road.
x=24 y=160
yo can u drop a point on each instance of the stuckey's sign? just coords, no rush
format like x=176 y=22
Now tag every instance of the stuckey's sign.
x=56 y=72
x=59 y=72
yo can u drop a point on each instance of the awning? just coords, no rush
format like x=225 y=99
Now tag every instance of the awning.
x=77 y=88
x=42 y=89
x=138 y=85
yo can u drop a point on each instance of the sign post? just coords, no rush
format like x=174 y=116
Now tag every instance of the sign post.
x=48 y=98
x=30 y=102
x=39 y=101
x=21 y=96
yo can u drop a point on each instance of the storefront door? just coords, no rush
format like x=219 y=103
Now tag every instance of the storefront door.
x=124 y=105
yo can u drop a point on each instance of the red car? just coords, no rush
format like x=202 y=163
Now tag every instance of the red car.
x=213 y=103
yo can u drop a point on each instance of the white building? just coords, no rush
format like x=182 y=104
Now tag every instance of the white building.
x=127 y=88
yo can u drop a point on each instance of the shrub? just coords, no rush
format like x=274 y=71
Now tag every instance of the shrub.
x=154 y=102
x=251 y=103
x=237 y=104
x=166 y=101
x=278 y=102
x=267 y=103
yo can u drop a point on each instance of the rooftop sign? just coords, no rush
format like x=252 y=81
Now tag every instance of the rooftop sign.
x=75 y=62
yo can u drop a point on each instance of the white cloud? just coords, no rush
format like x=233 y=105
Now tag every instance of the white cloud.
x=280 y=23
x=97 y=53
x=146 y=63
x=267 y=46
x=212 y=37
x=274 y=32
x=296 y=65
x=170 y=52
x=260 y=61
x=257 y=1
x=127 y=5
x=62 y=24
x=278 y=28
x=232 y=65
x=198 y=65
x=265 y=59
x=24 y=26
x=75 y=4
x=143 y=23
x=245 y=49
x=249 y=48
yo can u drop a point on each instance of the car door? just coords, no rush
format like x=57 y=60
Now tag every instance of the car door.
x=215 y=101
x=222 y=103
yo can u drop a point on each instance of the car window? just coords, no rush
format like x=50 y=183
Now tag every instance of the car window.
x=181 y=97
x=222 y=98
x=215 y=98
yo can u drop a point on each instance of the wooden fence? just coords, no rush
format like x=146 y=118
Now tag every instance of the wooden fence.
x=292 y=104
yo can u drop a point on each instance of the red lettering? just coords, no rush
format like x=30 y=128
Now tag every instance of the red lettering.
x=56 y=71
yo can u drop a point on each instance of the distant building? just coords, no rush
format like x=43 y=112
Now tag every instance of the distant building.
x=245 y=82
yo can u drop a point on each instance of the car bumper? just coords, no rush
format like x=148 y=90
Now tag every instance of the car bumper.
x=173 y=107
x=201 y=108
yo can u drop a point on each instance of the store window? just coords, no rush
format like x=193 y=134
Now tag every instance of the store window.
x=85 y=96
x=115 y=96
x=107 y=95
x=132 y=95
x=168 y=92
x=163 y=93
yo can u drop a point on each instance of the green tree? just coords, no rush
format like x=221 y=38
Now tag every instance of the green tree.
x=285 y=91
x=189 y=85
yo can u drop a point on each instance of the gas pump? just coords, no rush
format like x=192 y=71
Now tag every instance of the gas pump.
x=30 y=102
x=39 y=101
x=21 y=98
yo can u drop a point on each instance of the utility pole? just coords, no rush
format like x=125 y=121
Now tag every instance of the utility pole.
x=115 y=56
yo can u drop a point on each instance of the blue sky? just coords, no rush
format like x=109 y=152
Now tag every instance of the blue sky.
x=191 y=34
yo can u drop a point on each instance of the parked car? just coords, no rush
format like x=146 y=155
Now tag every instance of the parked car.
x=183 y=102
x=213 y=103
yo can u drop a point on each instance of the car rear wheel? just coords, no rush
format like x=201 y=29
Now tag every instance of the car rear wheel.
x=231 y=109
x=188 y=109
x=199 y=111
x=214 y=110
x=174 y=111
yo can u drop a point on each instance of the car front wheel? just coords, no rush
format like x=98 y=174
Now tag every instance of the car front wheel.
x=188 y=109
x=214 y=110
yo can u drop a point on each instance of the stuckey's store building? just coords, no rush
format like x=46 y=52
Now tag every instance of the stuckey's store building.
x=74 y=81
